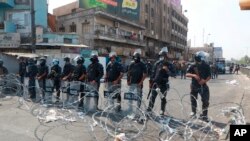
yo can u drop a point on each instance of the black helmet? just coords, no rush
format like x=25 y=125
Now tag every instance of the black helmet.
x=79 y=60
x=137 y=56
x=164 y=51
x=31 y=61
x=66 y=59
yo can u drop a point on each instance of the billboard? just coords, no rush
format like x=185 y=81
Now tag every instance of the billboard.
x=129 y=9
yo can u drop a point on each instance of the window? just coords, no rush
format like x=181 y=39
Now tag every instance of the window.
x=67 y=41
x=73 y=27
x=73 y=10
x=146 y=8
x=164 y=7
x=146 y=23
x=152 y=12
x=62 y=28
x=152 y=26
x=45 y=40
x=86 y=27
x=1 y=25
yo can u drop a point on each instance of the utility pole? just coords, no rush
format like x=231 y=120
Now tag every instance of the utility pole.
x=33 y=27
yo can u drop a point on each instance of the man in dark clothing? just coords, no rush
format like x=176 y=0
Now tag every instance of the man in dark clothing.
x=200 y=73
x=32 y=71
x=43 y=71
x=95 y=72
x=137 y=73
x=55 y=75
x=183 y=70
x=114 y=73
x=79 y=74
x=3 y=70
x=67 y=70
x=149 y=68
x=159 y=79
x=22 y=68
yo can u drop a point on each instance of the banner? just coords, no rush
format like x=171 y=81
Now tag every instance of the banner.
x=129 y=9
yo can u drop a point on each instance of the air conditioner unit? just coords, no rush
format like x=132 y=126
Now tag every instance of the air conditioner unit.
x=116 y=24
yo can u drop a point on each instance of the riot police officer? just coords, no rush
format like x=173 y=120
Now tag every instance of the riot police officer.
x=95 y=72
x=55 y=75
x=3 y=70
x=114 y=73
x=31 y=74
x=159 y=78
x=137 y=73
x=200 y=73
x=67 y=69
x=22 y=68
x=79 y=74
x=42 y=75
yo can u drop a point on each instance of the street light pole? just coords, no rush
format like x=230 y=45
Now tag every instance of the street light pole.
x=33 y=27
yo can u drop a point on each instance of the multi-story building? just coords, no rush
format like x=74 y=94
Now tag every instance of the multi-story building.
x=15 y=28
x=101 y=29
x=165 y=25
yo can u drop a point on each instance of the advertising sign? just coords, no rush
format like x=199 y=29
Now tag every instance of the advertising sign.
x=129 y=9
x=9 y=40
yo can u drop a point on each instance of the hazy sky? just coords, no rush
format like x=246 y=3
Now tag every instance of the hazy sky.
x=221 y=21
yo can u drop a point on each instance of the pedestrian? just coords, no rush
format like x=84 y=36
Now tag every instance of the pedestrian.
x=55 y=75
x=79 y=74
x=200 y=73
x=3 y=69
x=237 y=68
x=149 y=68
x=137 y=73
x=32 y=71
x=114 y=74
x=42 y=74
x=162 y=69
x=95 y=72
x=183 y=70
x=22 y=68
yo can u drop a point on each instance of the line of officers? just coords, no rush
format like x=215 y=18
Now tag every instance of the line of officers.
x=136 y=74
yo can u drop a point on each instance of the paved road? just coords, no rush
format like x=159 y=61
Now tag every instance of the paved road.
x=18 y=124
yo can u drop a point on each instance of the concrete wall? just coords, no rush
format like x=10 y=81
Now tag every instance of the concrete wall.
x=67 y=9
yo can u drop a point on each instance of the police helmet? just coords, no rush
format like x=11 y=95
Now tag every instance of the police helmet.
x=94 y=54
x=112 y=54
x=163 y=51
x=55 y=62
x=66 y=59
x=31 y=61
x=79 y=60
x=201 y=56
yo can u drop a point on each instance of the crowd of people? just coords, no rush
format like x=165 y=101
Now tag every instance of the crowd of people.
x=200 y=72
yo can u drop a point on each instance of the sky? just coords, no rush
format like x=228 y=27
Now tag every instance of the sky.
x=218 y=21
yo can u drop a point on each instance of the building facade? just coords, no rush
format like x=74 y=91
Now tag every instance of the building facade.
x=101 y=30
x=15 y=27
x=165 y=25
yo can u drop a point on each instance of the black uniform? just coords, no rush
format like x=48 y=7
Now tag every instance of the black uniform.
x=159 y=78
x=55 y=75
x=77 y=73
x=67 y=69
x=22 y=71
x=135 y=72
x=203 y=71
x=135 y=75
x=42 y=82
x=31 y=73
x=113 y=72
x=95 y=72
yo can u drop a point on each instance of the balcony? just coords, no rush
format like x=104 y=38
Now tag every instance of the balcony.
x=7 y=3
x=126 y=39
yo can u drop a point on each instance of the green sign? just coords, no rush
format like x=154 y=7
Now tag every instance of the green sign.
x=129 y=9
